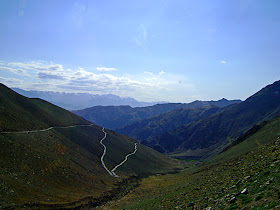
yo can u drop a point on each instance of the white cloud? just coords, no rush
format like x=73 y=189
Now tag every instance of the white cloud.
x=223 y=62
x=147 y=86
x=37 y=65
x=10 y=79
x=78 y=14
x=11 y=82
x=13 y=70
x=83 y=14
x=105 y=69
x=142 y=35
x=47 y=75
x=147 y=72
x=58 y=78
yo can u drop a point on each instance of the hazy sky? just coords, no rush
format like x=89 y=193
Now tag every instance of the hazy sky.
x=151 y=50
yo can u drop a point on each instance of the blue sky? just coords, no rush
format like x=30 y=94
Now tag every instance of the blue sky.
x=160 y=50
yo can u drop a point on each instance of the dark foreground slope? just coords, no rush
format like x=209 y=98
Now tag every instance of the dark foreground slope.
x=61 y=167
x=245 y=176
x=210 y=136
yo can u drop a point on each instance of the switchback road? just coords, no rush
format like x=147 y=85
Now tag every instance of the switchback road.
x=112 y=172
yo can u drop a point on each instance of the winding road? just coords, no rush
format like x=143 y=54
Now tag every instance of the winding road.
x=46 y=129
x=112 y=172
x=104 y=153
x=125 y=159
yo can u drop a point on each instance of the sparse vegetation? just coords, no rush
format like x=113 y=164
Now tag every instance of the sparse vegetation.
x=61 y=167
x=149 y=128
x=209 y=136
x=246 y=175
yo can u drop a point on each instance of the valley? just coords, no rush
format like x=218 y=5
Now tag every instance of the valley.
x=112 y=172
x=197 y=130
x=52 y=158
x=142 y=105
x=245 y=176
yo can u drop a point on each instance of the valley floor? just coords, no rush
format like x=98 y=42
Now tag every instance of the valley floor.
x=251 y=180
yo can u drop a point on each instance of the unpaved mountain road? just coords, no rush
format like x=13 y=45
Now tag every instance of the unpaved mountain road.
x=104 y=153
x=125 y=159
x=46 y=129
x=112 y=172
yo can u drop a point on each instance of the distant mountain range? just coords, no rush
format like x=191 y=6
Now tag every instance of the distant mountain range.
x=196 y=130
x=209 y=136
x=51 y=158
x=75 y=101
x=115 y=117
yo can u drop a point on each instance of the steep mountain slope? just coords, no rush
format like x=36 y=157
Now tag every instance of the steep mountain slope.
x=149 y=128
x=246 y=176
x=113 y=117
x=51 y=157
x=209 y=136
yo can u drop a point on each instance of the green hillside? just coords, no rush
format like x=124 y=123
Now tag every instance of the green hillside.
x=60 y=167
x=20 y=113
x=211 y=135
x=245 y=176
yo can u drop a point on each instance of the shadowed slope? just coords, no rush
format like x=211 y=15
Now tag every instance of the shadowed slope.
x=114 y=117
x=149 y=128
x=210 y=136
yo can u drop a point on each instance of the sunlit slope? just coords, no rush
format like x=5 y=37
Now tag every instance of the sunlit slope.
x=145 y=160
x=20 y=113
x=246 y=175
x=61 y=165
x=255 y=138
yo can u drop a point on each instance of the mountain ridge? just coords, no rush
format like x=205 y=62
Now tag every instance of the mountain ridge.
x=58 y=163
x=208 y=136
x=149 y=128
x=74 y=101
x=114 y=117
